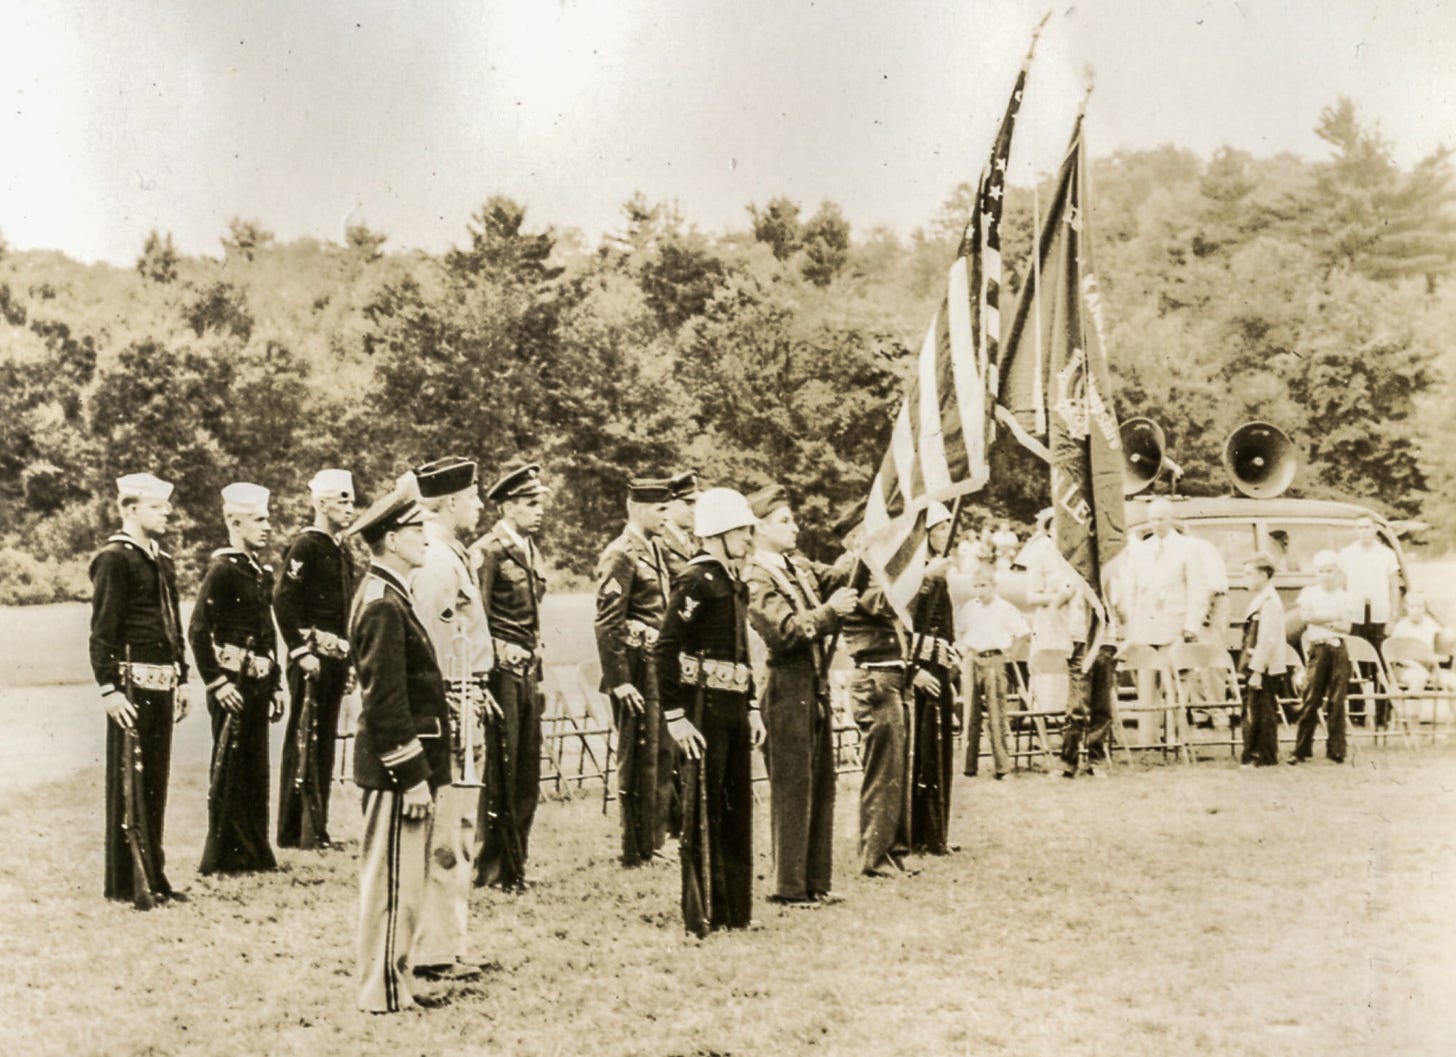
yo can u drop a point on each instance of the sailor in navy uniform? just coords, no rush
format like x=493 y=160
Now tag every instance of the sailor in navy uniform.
x=311 y=601
x=137 y=652
x=511 y=586
x=234 y=646
x=401 y=752
x=706 y=684
x=631 y=593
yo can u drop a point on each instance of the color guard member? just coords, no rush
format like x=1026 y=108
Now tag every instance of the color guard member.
x=138 y=659
x=311 y=602
x=401 y=752
x=631 y=595
x=511 y=586
x=234 y=646
x=707 y=698
x=934 y=663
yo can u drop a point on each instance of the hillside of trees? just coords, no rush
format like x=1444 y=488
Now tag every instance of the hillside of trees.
x=1313 y=294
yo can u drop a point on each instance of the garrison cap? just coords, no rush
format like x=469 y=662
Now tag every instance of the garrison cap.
x=143 y=486
x=444 y=476
x=521 y=483
x=243 y=498
x=649 y=490
x=767 y=499
x=332 y=483
x=395 y=510
x=684 y=485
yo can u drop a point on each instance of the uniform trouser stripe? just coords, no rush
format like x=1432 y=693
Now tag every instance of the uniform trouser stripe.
x=391 y=889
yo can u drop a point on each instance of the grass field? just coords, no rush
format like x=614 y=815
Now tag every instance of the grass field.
x=1167 y=910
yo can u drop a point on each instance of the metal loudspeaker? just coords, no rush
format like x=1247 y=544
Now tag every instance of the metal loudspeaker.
x=1260 y=459
x=1143 y=454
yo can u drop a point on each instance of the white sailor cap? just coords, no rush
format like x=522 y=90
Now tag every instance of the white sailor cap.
x=243 y=498
x=143 y=486
x=332 y=483
x=936 y=514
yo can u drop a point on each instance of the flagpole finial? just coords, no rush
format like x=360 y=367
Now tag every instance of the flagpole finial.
x=1036 y=35
x=1089 y=74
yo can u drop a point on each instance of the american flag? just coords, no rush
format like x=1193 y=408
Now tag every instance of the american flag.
x=937 y=449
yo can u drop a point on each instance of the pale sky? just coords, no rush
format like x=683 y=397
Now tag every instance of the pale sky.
x=121 y=117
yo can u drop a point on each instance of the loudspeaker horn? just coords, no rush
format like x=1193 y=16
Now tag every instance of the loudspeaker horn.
x=1260 y=460
x=1143 y=454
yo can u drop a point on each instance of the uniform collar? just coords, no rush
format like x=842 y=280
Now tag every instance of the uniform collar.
x=436 y=532
x=677 y=539
x=508 y=533
x=771 y=560
x=152 y=549
x=223 y=552
x=375 y=569
x=637 y=534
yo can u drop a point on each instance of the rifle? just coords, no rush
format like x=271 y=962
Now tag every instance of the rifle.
x=133 y=817
x=227 y=744
x=305 y=777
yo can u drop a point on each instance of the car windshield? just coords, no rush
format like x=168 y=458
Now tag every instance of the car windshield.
x=1234 y=540
x=1295 y=543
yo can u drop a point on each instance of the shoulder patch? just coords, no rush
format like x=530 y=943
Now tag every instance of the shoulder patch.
x=295 y=568
x=374 y=589
x=690 y=606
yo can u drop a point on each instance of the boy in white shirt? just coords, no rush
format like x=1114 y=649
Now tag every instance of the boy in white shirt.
x=1263 y=659
x=988 y=629
x=1328 y=611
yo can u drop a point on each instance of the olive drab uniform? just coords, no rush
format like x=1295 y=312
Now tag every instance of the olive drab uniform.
x=511 y=586
x=785 y=610
x=311 y=601
x=934 y=651
x=631 y=596
x=233 y=643
x=703 y=673
x=136 y=642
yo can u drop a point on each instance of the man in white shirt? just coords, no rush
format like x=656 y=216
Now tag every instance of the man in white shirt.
x=1328 y=611
x=987 y=629
x=1372 y=576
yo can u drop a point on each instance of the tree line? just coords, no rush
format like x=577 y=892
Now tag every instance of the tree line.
x=1312 y=294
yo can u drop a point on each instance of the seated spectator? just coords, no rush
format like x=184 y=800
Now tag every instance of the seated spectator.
x=1420 y=625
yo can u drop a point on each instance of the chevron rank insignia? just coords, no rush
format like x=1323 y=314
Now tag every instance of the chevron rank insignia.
x=611 y=587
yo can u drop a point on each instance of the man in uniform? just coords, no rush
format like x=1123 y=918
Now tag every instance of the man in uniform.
x=706 y=685
x=934 y=660
x=676 y=540
x=448 y=604
x=401 y=752
x=311 y=602
x=234 y=647
x=511 y=585
x=784 y=607
x=631 y=594
x=138 y=660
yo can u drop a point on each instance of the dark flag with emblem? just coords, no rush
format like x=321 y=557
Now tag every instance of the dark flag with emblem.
x=1060 y=311
x=937 y=450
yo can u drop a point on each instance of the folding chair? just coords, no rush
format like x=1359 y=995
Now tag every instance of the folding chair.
x=1159 y=726
x=1405 y=657
x=1204 y=678
x=1367 y=670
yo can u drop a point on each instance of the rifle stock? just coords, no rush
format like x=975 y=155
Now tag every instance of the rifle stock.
x=305 y=776
x=133 y=817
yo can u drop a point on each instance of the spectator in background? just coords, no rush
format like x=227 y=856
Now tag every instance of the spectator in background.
x=1372 y=576
x=1264 y=660
x=1279 y=552
x=1328 y=611
x=987 y=630
x=1420 y=625
x=1213 y=606
x=1050 y=591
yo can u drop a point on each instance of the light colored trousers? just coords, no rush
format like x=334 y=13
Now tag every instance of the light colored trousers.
x=442 y=936
x=391 y=890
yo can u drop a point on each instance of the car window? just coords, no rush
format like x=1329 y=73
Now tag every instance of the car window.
x=1295 y=543
x=1234 y=540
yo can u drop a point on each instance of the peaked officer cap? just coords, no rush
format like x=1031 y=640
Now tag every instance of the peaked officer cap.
x=684 y=485
x=521 y=483
x=649 y=490
x=143 y=486
x=395 y=510
x=242 y=498
x=332 y=483
x=444 y=476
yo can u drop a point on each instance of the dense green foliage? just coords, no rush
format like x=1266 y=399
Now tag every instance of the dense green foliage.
x=1310 y=294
